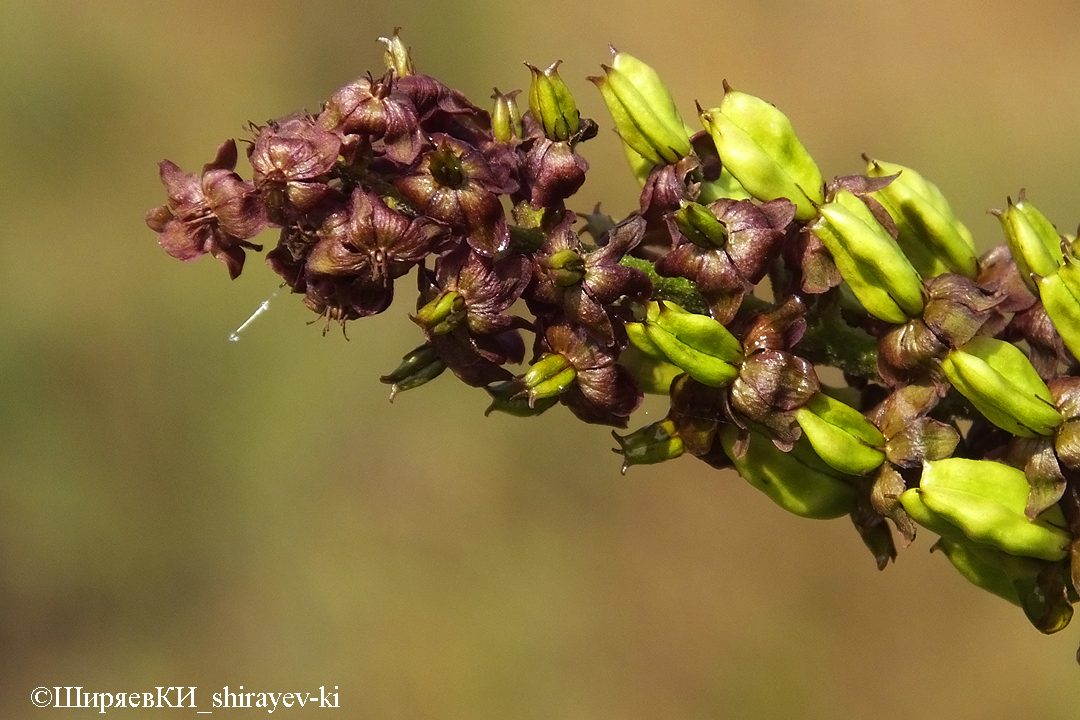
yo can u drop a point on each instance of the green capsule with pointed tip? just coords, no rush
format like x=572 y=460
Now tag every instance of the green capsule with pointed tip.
x=991 y=523
x=505 y=117
x=758 y=146
x=653 y=375
x=442 y=314
x=929 y=232
x=698 y=344
x=700 y=226
x=978 y=564
x=418 y=367
x=1034 y=242
x=869 y=260
x=396 y=55
x=994 y=481
x=1060 y=295
x=548 y=377
x=552 y=103
x=841 y=435
x=797 y=481
x=999 y=380
x=651 y=444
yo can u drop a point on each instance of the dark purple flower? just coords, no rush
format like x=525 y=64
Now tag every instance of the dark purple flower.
x=214 y=212
x=553 y=172
x=583 y=284
x=373 y=108
x=445 y=110
x=455 y=184
x=290 y=158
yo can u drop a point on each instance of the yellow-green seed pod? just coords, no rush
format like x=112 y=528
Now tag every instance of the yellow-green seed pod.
x=651 y=444
x=505 y=117
x=701 y=346
x=991 y=523
x=978 y=564
x=549 y=376
x=640 y=340
x=797 y=481
x=396 y=55
x=1033 y=241
x=647 y=121
x=758 y=145
x=1001 y=383
x=1060 y=295
x=994 y=481
x=871 y=262
x=552 y=103
x=654 y=376
x=841 y=435
x=930 y=234
x=700 y=226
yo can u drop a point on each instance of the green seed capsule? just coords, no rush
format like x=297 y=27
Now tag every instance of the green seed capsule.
x=758 y=145
x=871 y=262
x=994 y=481
x=505 y=117
x=552 y=103
x=548 y=377
x=1001 y=383
x=978 y=564
x=700 y=225
x=930 y=234
x=1060 y=295
x=841 y=435
x=991 y=523
x=797 y=481
x=1033 y=241
x=701 y=346
x=651 y=444
x=654 y=376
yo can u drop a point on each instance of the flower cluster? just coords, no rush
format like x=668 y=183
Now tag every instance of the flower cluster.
x=961 y=409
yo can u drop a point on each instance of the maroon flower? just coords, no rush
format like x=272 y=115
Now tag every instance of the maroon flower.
x=553 y=171
x=290 y=158
x=214 y=212
x=373 y=108
x=454 y=184
x=583 y=284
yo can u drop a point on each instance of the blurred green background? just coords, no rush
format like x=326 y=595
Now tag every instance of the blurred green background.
x=176 y=509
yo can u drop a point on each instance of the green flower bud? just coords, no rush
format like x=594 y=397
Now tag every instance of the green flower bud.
x=505 y=117
x=701 y=346
x=999 y=380
x=757 y=144
x=418 y=367
x=841 y=435
x=1033 y=241
x=871 y=262
x=797 y=481
x=651 y=444
x=1060 y=295
x=643 y=110
x=552 y=104
x=930 y=234
x=442 y=314
x=654 y=376
x=548 y=377
x=397 y=56
x=700 y=225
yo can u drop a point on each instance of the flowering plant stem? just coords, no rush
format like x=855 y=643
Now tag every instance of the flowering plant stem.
x=961 y=409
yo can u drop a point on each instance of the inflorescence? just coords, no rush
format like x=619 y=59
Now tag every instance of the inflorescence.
x=961 y=409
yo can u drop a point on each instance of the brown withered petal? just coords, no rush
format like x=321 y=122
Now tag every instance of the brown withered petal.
x=861 y=186
x=667 y=186
x=885 y=498
x=463 y=359
x=696 y=414
x=553 y=172
x=912 y=353
x=711 y=270
x=445 y=110
x=744 y=400
x=347 y=298
x=603 y=392
x=782 y=380
x=1046 y=350
x=919 y=440
x=874 y=531
x=956 y=309
x=817 y=271
x=1036 y=457
x=902 y=407
x=779 y=329
x=999 y=278
x=754 y=232
x=373 y=108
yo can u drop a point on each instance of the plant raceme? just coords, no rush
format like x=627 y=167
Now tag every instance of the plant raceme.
x=961 y=413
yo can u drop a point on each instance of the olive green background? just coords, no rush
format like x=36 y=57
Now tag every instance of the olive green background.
x=176 y=509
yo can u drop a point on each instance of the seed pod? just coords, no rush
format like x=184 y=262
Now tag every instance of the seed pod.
x=757 y=144
x=978 y=564
x=653 y=376
x=549 y=376
x=651 y=444
x=552 y=103
x=1001 y=383
x=509 y=397
x=442 y=314
x=701 y=346
x=505 y=117
x=985 y=521
x=929 y=233
x=1033 y=241
x=840 y=435
x=871 y=262
x=797 y=481
x=1060 y=295
x=418 y=367
x=700 y=226
x=643 y=110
